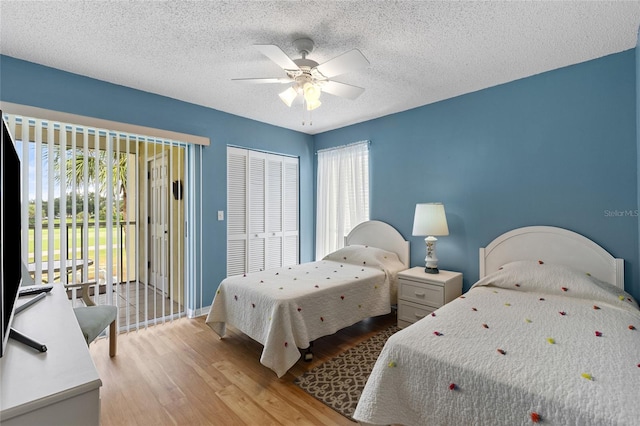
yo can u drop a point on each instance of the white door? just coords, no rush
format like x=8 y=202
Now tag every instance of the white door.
x=236 y=211
x=290 y=212
x=159 y=223
x=262 y=211
x=273 y=212
x=257 y=222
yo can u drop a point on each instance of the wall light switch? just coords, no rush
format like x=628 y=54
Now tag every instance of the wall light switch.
x=220 y=215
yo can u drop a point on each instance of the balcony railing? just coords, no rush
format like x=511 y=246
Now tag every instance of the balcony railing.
x=85 y=248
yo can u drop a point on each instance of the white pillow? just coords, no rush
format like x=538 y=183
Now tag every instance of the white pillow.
x=367 y=256
x=542 y=277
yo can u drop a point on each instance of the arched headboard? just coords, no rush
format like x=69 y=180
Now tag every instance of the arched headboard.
x=381 y=235
x=553 y=245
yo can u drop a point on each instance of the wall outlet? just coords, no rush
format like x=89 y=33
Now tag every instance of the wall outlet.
x=220 y=215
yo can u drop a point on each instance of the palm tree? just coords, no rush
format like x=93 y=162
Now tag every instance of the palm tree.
x=97 y=171
x=96 y=167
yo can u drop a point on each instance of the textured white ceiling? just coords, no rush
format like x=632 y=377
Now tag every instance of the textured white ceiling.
x=420 y=52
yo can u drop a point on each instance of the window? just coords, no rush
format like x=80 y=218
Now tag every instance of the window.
x=342 y=194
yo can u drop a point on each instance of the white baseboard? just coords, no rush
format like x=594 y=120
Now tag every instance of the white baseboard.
x=193 y=313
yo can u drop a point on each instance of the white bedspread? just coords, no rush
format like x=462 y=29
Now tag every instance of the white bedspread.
x=287 y=308
x=531 y=343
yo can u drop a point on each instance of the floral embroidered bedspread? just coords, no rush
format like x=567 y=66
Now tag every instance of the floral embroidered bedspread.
x=532 y=343
x=287 y=308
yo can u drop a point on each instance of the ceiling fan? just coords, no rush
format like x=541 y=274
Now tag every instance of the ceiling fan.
x=307 y=77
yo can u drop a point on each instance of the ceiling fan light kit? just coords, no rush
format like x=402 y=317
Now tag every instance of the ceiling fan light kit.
x=311 y=105
x=309 y=78
x=288 y=96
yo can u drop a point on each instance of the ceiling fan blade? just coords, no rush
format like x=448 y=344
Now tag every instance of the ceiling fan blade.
x=341 y=89
x=348 y=61
x=276 y=54
x=283 y=80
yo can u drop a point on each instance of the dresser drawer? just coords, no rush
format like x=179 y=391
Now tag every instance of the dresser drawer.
x=423 y=293
x=411 y=312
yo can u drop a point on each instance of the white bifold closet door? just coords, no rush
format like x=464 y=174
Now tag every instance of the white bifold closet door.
x=262 y=211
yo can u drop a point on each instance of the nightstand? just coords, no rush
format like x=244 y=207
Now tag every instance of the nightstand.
x=420 y=293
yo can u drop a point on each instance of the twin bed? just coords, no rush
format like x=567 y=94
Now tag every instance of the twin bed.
x=547 y=335
x=285 y=309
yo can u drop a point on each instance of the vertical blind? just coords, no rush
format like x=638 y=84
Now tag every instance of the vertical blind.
x=342 y=194
x=108 y=206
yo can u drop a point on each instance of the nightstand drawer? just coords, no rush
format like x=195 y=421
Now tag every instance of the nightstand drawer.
x=422 y=293
x=411 y=312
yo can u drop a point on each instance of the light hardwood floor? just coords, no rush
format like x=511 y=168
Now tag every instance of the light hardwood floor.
x=181 y=373
x=137 y=303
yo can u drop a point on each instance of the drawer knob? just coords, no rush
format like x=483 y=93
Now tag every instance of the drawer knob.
x=419 y=294
x=419 y=316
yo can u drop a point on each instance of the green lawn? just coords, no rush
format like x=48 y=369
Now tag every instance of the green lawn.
x=89 y=241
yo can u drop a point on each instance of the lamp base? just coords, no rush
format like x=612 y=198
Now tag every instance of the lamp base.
x=431 y=270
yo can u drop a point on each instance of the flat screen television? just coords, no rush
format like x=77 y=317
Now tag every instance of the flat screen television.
x=10 y=231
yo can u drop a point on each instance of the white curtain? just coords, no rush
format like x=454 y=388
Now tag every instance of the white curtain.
x=342 y=194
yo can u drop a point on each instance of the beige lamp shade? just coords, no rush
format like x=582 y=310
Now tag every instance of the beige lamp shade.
x=430 y=219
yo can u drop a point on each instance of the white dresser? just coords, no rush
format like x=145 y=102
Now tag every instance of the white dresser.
x=57 y=387
x=420 y=293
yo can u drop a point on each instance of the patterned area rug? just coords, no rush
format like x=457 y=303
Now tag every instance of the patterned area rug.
x=339 y=382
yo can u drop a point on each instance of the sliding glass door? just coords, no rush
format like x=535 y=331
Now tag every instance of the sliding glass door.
x=107 y=207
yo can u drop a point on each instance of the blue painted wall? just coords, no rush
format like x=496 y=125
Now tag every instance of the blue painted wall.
x=638 y=131
x=558 y=148
x=31 y=84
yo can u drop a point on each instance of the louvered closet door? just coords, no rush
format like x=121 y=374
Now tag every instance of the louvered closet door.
x=273 y=255
x=262 y=211
x=257 y=205
x=290 y=212
x=237 y=161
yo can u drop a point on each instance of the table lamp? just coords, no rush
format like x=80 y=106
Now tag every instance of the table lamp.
x=430 y=221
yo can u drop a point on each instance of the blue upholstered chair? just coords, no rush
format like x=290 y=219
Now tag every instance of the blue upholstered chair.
x=93 y=319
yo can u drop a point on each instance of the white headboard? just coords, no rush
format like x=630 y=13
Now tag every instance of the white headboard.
x=381 y=235
x=552 y=245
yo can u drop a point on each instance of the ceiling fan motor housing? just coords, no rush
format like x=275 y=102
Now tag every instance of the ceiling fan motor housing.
x=304 y=46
